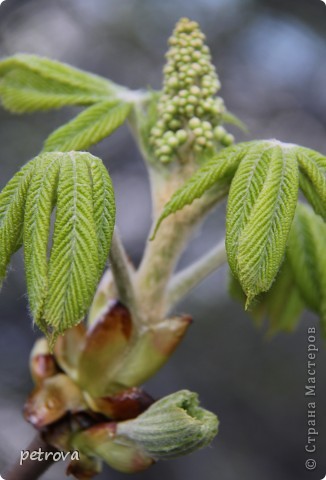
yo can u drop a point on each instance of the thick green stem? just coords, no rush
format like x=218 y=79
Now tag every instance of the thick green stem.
x=162 y=254
x=190 y=277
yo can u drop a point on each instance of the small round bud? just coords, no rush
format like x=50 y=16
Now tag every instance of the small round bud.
x=194 y=122
x=219 y=133
x=181 y=135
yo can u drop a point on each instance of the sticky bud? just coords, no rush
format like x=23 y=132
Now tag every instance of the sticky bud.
x=173 y=426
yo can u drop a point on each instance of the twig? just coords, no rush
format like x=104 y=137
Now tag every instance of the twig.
x=32 y=470
x=190 y=277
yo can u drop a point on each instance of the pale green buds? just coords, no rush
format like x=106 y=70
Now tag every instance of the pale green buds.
x=171 y=427
x=188 y=103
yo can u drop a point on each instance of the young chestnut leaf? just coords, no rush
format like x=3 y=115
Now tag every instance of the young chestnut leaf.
x=307 y=256
x=12 y=206
x=260 y=211
x=261 y=203
x=88 y=128
x=312 y=167
x=62 y=273
x=29 y=83
x=282 y=305
x=173 y=426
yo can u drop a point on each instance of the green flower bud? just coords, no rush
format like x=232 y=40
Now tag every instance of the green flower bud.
x=173 y=142
x=181 y=135
x=219 y=133
x=189 y=95
x=194 y=122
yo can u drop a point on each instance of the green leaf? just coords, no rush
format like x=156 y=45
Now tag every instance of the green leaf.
x=29 y=83
x=88 y=128
x=231 y=119
x=216 y=172
x=282 y=305
x=104 y=207
x=311 y=195
x=12 y=206
x=260 y=211
x=313 y=178
x=307 y=256
x=62 y=273
x=40 y=202
x=74 y=265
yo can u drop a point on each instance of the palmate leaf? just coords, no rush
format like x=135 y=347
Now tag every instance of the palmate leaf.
x=29 y=83
x=62 y=273
x=307 y=256
x=261 y=205
x=12 y=206
x=88 y=128
x=260 y=212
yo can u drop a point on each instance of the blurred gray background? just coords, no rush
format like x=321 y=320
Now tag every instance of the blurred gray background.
x=270 y=56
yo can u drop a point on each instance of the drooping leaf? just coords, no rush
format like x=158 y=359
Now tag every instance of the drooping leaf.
x=282 y=305
x=311 y=195
x=88 y=128
x=40 y=202
x=62 y=273
x=313 y=178
x=218 y=171
x=12 y=205
x=104 y=207
x=29 y=83
x=74 y=264
x=260 y=211
x=307 y=257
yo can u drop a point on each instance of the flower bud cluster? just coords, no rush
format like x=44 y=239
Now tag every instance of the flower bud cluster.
x=189 y=112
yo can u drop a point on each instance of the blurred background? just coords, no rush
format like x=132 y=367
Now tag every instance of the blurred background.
x=270 y=55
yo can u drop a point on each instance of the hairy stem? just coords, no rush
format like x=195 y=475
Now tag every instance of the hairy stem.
x=32 y=470
x=162 y=254
x=182 y=283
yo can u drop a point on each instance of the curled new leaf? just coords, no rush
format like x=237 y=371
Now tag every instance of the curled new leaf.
x=307 y=257
x=173 y=426
x=260 y=211
x=88 y=128
x=29 y=83
x=62 y=272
